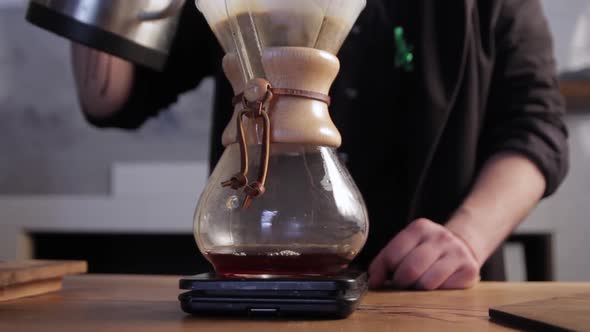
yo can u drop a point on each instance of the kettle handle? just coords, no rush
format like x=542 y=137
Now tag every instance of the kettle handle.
x=173 y=7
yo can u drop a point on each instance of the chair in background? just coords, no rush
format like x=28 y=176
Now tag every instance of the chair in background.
x=538 y=255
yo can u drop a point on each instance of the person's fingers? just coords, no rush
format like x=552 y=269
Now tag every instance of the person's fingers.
x=465 y=277
x=408 y=239
x=438 y=272
x=390 y=256
x=416 y=263
x=378 y=271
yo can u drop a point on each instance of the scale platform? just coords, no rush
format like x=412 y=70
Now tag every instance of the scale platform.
x=333 y=297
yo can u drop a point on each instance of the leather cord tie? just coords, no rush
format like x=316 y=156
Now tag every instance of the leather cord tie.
x=289 y=93
x=255 y=101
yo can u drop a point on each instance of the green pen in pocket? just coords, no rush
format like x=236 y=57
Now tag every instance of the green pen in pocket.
x=404 y=53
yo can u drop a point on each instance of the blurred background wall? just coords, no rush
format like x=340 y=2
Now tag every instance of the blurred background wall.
x=59 y=175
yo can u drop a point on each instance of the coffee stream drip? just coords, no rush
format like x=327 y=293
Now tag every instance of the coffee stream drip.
x=279 y=202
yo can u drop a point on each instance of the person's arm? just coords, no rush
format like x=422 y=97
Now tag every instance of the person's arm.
x=103 y=81
x=506 y=191
x=427 y=255
x=524 y=146
x=115 y=93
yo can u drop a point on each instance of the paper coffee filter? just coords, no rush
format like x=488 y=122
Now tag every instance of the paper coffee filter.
x=323 y=24
x=287 y=22
x=215 y=13
x=340 y=16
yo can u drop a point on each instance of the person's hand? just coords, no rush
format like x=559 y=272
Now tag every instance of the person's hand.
x=425 y=255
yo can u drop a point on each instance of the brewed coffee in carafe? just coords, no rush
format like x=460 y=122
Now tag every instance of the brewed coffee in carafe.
x=279 y=202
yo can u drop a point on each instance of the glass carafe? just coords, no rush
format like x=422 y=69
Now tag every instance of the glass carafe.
x=280 y=202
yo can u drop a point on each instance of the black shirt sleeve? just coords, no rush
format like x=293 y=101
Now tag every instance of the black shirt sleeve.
x=527 y=109
x=194 y=54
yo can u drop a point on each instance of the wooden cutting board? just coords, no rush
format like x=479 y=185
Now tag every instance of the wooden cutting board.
x=27 y=278
x=571 y=313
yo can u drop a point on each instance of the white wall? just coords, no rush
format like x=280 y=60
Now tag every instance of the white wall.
x=569 y=21
x=567 y=214
x=12 y=3
x=152 y=198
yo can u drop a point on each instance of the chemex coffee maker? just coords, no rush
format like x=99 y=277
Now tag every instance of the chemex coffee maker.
x=280 y=218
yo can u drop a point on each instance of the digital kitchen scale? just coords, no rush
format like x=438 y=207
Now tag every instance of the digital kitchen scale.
x=331 y=297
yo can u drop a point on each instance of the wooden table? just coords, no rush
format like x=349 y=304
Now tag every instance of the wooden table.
x=141 y=303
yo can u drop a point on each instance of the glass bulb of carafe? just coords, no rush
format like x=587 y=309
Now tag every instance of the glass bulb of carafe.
x=311 y=221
